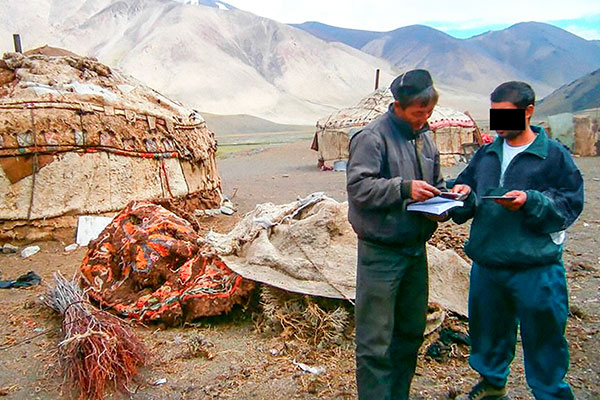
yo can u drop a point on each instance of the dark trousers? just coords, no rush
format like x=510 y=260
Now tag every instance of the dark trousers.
x=391 y=308
x=537 y=299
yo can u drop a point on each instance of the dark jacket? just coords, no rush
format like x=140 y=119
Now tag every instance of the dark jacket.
x=382 y=157
x=501 y=238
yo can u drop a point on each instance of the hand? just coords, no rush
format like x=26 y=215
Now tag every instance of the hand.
x=515 y=204
x=461 y=189
x=421 y=190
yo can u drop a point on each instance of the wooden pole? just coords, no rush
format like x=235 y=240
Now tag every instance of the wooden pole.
x=377 y=79
x=17 y=41
x=477 y=134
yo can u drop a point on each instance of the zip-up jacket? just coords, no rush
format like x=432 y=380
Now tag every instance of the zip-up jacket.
x=506 y=239
x=381 y=166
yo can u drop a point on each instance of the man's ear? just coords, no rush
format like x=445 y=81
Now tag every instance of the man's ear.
x=529 y=112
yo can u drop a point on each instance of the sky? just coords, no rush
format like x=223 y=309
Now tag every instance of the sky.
x=459 y=18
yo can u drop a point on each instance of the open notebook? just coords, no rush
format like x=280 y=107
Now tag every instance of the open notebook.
x=436 y=205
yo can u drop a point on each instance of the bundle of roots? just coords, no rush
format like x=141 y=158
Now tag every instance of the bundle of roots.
x=322 y=322
x=97 y=350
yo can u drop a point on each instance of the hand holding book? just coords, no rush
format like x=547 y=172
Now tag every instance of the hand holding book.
x=436 y=205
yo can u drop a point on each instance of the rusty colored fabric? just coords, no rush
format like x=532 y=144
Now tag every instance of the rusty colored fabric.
x=17 y=168
x=147 y=265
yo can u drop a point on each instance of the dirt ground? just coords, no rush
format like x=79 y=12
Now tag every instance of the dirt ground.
x=250 y=362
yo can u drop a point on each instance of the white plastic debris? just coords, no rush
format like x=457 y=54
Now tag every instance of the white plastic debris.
x=29 y=251
x=89 y=228
x=9 y=248
x=226 y=210
x=210 y=212
x=307 y=368
x=586 y=224
x=227 y=203
x=178 y=340
x=340 y=166
x=71 y=247
x=160 y=382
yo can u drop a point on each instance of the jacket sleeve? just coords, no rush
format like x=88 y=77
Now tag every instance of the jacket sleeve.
x=366 y=188
x=438 y=179
x=557 y=208
x=462 y=214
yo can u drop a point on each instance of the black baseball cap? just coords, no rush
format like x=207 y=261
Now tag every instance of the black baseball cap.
x=411 y=83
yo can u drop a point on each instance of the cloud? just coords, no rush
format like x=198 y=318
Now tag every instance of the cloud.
x=584 y=32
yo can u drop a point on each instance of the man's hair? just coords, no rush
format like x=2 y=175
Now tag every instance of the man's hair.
x=423 y=98
x=518 y=93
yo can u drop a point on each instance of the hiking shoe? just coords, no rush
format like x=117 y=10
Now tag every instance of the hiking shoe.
x=485 y=391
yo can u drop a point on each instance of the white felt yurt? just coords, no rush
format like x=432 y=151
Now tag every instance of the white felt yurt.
x=77 y=137
x=451 y=129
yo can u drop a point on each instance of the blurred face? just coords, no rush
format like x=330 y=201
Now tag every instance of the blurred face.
x=508 y=105
x=415 y=114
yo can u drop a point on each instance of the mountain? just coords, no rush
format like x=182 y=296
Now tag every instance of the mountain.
x=210 y=3
x=581 y=94
x=450 y=60
x=544 y=52
x=352 y=37
x=247 y=124
x=541 y=54
x=216 y=60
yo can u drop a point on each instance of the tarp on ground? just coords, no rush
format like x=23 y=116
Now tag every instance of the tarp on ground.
x=308 y=246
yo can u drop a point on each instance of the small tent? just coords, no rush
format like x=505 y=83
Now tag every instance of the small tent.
x=77 y=137
x=579 y=132
x=451 y=129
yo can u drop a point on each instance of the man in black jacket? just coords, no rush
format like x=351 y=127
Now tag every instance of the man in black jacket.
x=392 y=161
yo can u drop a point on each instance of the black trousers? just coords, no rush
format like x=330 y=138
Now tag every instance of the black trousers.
x=391 y=312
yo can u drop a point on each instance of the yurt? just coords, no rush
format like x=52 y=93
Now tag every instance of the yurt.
x=579 y=132
x=78 y=137
x=452 y=130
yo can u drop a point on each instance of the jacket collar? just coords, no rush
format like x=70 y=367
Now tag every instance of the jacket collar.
x=402 y=126
x=538 y=147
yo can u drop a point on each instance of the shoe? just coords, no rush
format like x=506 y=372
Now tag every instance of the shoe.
x=485 y=391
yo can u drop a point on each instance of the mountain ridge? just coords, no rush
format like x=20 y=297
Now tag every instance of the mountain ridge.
x=541 y=54
x=578 y=95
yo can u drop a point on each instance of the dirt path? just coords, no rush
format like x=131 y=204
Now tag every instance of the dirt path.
x=249 y=364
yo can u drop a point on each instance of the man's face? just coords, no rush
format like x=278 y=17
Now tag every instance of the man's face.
x=415 y=114
x=508 y=105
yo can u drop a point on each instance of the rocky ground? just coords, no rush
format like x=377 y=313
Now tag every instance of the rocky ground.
x=238 y=356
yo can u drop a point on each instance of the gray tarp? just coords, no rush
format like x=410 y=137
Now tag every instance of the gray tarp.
x=308 y=246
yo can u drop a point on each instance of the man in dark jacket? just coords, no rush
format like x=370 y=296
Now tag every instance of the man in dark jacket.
x=392 y=161
x=516 y=245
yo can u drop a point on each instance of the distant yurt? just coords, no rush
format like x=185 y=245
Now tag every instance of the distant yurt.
x=452 y=130
x=579 y=132
x=77 y=137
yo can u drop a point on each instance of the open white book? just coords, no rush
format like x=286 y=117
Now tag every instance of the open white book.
x=436 y=205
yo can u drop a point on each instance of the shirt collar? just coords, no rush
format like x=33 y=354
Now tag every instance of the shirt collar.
x=538 y=147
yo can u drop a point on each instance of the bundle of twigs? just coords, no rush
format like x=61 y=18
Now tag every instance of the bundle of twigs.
x=322 y=322
x=97 y=349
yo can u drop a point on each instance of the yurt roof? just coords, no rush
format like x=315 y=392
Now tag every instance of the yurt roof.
x=377 y=103
x=55 y=79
